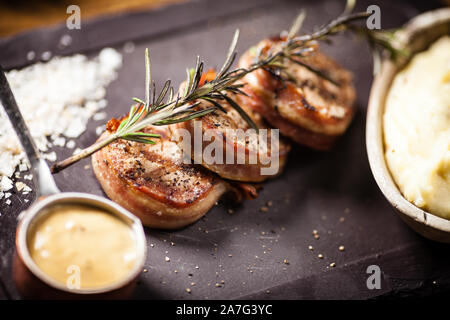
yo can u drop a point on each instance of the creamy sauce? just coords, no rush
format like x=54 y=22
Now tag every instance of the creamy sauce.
x=417 y=129
x=72 y=238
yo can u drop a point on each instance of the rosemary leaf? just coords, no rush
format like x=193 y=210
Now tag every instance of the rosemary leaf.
x=190 y=77
x=143 y=134
x=140 y=140
x=139 y=101
x=154 y=93
x=297 y=25
x=191 y=116
x=242 y=113
x=197 y=75
x=170 y=98
x=122 y=124
x=215 y=103
x=314 y=70
x=147 y=79
x=349 y=6
x=163 y=93
x=231 y=56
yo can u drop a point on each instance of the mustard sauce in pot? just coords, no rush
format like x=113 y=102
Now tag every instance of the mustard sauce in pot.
x=77 y=243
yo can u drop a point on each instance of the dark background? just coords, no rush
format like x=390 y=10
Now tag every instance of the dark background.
x=246 y=249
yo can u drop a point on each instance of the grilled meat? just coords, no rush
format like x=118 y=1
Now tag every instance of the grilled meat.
x=311 y=110
x=152 y=181
x=220 y=129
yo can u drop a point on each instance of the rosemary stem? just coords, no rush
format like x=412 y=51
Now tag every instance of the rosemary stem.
x=57 y=167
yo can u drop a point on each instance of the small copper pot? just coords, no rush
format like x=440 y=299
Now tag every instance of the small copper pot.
x=33 y=283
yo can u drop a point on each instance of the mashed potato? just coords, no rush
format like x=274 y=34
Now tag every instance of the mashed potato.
x=417 y=129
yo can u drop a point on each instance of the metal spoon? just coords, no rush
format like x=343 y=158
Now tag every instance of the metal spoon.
x=49 y=195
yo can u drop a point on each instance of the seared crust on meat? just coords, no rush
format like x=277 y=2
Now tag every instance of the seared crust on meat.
x=312 y=111
x=152 y=182
x=221 y=128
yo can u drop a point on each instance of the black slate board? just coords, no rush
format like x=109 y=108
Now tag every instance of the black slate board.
x=246 y=249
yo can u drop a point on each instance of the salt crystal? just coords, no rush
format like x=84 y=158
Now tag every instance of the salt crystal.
x=99 y=116
x=70 y=144
x=46 y=55
x=8 y=202
x=8 y=162
x=5 y=184
x=76 y=151
x=23 y=167
x=128 y=47
x=20 y=186
x=91 y=106
x=75 y=128
x=65 y=41
x=99 y=130
x=59 y=141
x=50 y=156
x=102 y=103
x=7 y=195
x=31 y=55
x=109 y=59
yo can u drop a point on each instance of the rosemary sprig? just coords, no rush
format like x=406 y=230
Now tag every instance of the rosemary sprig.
x=164 y=108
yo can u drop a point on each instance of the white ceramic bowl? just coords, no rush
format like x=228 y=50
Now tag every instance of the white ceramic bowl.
x=418 y=34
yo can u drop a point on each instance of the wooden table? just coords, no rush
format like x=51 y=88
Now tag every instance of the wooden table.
x=19 y=16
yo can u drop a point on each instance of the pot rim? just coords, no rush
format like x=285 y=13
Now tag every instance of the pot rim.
x=36 y=212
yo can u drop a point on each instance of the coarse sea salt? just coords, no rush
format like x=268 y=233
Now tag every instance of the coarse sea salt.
x=99 y=130
x=51 y=156
x=70 y=144
x=5 y=184
x=23 y=167
x=20 y=185
x=57 y=98
x=99 y=116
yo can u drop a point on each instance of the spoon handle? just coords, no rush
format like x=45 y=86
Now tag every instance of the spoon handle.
x=45 y=183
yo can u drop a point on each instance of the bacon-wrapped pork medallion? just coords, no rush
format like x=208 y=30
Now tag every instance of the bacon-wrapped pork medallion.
x=152 y=181
x=311 y=109
x=246 y=155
